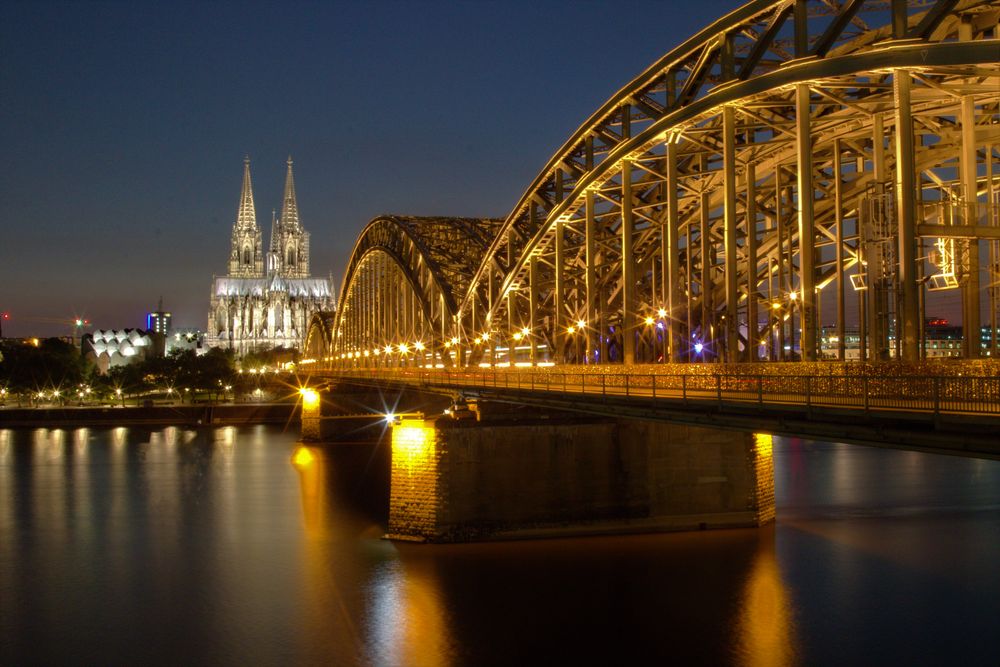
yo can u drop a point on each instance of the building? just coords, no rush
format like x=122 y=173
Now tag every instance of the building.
x=187 y=338
x=941 y=340
x=108 y=348
x=268 y=297
x=158 y=321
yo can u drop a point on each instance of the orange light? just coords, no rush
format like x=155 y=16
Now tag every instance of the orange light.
x=310 y=398
x=302 y=458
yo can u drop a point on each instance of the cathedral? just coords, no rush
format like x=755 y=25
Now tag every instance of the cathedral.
x=268 y=297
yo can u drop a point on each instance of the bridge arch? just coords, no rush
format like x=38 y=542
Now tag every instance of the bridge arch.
x=319 y=337
x=402 y=285
x=790 y=154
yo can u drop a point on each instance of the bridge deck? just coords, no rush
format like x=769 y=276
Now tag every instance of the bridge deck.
x=952 y=414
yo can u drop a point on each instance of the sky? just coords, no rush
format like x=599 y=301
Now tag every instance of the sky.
x=123 y=128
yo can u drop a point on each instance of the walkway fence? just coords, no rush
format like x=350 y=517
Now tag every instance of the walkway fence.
x=975 y=395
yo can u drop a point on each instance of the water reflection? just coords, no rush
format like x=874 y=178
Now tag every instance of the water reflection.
x=410 y=626
x=241 y=546
x=766 y=621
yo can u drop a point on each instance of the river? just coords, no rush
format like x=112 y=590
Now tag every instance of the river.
x=226 y=546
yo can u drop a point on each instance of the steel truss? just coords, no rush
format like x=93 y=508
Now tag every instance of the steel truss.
x=789 y=153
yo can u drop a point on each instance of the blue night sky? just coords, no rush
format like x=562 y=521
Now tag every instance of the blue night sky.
x=124 y=126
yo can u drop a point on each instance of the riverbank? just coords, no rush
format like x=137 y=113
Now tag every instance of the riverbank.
x=181 y=415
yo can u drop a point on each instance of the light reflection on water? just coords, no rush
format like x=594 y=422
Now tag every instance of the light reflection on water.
x=240 y=546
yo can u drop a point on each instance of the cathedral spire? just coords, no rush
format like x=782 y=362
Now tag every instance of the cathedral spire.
x=289 y=209
x=247 y=216
x=274 y=232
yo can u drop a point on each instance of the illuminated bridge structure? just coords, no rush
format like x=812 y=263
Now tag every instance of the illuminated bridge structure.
x=793 y=158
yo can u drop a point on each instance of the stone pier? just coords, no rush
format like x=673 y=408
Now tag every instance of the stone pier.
x=455 y=481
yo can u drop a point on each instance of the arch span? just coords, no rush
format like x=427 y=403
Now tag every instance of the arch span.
x=790 y=155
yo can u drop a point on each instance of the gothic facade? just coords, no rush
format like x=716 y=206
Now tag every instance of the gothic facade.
x=268 y=296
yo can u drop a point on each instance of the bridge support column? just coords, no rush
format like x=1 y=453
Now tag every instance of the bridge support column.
x=312 y=414
x=466 y=481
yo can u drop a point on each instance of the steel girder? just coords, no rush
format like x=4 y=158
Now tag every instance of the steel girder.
x=404 y=279
x=684 y=200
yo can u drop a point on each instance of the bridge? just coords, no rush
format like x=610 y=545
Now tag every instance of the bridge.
x=795 y=163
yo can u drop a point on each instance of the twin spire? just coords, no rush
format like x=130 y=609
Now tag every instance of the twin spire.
x=246 y=217
x=287 y=254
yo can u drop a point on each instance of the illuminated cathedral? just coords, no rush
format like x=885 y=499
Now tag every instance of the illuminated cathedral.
x=268 y=296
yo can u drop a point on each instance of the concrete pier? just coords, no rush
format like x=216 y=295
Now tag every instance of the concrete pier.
x=455 y=481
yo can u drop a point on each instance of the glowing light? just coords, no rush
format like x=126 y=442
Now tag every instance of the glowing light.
x=403 y=348
x=763 y=444
x=662 y=312
x=525 y=332
x=775 y=306
x=793 y=295
x=580 y=324
x=388 y=349
x=517 y=335
x=390 y=418
x=418 y=346
x=698 y=347
x=454 y=340
x=648 y=321
x=570 y=329
x=310 y=397
x=302 y=458
x=411 y=440
x=366 y=353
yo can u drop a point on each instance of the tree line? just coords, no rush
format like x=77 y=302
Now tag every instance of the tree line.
x=54 y=371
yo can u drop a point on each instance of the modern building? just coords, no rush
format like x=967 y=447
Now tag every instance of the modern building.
x=159 y=320
x=108 y=348
x=268 y=296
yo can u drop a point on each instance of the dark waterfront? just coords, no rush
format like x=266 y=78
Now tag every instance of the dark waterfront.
x=236 y=546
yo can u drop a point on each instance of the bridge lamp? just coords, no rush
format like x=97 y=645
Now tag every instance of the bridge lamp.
x=403 y=348
x=418 y=346
x=793 y=295
x=775 y=306
x=366 y=353
x=525 y=332
x=310 y=398
x=661 y=313
x=388 y=349
x=648 y=321
x=580 y=324
x=518 y=335
x=571 y=330
x=698 y=347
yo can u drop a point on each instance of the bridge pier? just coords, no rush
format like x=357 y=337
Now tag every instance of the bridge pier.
x=458 y=481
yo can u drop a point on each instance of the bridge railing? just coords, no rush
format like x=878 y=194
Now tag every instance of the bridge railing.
x=938 y=394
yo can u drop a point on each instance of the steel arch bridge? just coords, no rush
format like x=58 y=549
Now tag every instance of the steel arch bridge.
x=792 y=158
